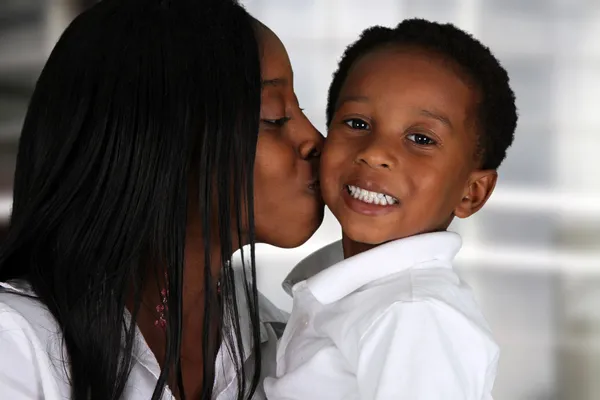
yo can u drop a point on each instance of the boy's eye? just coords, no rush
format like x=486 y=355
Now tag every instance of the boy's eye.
x=420 y=139
x=356 y=123
x=279 y=122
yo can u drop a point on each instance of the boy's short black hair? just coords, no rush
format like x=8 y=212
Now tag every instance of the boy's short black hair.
x=497 y=115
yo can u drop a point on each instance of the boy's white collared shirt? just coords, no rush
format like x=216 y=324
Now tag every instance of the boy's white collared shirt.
x=395 y=322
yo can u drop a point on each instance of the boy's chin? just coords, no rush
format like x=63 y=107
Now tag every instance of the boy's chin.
x=372 y=237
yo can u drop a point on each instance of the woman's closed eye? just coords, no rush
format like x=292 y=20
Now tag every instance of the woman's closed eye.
x=357 y=124
x=420 y=139
x=277 y=122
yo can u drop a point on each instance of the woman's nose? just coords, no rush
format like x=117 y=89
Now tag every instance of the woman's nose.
x=311 y=143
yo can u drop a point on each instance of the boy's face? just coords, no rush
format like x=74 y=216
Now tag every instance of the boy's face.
x=400 y=155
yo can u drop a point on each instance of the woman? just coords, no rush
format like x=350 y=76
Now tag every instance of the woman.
x=151 y=151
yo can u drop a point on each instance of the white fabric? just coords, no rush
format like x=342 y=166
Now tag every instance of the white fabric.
x=394 y=322
x=31 y=355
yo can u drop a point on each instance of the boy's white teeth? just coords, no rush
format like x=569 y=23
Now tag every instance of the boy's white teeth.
x=371 y=197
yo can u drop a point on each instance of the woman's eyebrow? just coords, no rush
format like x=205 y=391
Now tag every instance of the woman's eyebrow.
x=274 y=82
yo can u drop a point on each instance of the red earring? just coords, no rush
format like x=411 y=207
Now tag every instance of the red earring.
x=161 y=322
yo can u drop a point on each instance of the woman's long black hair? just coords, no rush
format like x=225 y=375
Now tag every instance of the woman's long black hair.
x=143 y=107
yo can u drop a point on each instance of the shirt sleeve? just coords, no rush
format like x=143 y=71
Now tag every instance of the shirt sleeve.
x=19 y=370
x=425 y=351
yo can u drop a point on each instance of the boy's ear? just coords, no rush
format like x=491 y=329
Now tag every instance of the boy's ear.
x=479 y=189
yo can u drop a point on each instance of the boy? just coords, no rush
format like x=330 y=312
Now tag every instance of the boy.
x=419 y=119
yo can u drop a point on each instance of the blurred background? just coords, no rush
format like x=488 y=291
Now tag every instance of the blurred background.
x=533 y=254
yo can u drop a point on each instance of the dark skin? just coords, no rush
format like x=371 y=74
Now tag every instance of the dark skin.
x=405 y=126
x=287 y=161
x=288 y=209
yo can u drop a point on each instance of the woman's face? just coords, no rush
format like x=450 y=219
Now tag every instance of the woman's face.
x=288 y=207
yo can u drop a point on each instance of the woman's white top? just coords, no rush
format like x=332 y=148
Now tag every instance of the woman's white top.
x=32 y=358
x=395 y=322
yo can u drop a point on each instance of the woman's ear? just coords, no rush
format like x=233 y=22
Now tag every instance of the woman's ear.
x=480 y=186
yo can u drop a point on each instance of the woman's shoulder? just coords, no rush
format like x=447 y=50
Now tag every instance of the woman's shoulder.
x=20 y=305
x=24 y=316
x=31 y=365
x=18 y=302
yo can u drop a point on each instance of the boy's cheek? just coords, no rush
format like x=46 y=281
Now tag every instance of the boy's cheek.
x=330 y=166
x=337 y=156
x=328 y=189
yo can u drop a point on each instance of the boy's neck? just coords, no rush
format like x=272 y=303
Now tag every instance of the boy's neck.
x=352 y=248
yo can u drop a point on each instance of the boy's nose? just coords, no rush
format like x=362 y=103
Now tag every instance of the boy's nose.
x=376 y=156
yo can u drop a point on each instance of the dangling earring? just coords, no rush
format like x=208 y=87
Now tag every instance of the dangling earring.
x=161 y=322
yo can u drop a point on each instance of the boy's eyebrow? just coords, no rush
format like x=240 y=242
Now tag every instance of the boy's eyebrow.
x=443 y=119
x=358 y=99
x=430 y=114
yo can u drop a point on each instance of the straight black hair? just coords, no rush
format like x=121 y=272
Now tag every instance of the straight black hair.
x=144 y=108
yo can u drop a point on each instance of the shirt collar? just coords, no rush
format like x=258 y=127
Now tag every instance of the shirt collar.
x=244 y=322
x=142 y=352
x=18 y=286
x=316 y=262
x=339 y=280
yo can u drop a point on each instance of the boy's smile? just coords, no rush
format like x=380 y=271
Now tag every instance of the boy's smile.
x=368 y=197
x=401 y=154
